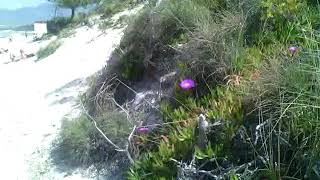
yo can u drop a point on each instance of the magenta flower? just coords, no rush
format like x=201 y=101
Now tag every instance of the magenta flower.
x=143 y=130
x=293 y=49
x=187 y=84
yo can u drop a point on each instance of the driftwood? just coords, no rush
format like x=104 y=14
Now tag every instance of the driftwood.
x=2 y=50
x=202 y=131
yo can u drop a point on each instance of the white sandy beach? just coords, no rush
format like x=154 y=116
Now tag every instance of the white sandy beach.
x=34 y=98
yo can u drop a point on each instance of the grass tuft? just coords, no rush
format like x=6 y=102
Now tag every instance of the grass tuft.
x=48 y=50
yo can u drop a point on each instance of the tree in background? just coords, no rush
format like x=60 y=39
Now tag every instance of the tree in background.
x=73 y=4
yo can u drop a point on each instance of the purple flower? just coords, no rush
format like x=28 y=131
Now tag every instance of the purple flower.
x=143 y=130
x=293 y=49
x=187 y=84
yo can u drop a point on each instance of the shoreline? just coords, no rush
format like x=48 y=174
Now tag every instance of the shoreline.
x=19 y=46
x=5 y=33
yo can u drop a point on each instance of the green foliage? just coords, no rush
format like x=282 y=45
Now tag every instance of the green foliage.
x=181 y=144
x=81 y=143
x=286 y=21
x=65 y=33
x=81 y=19
x=111 y=7
x=48 y=50
x=265 y=174
x=290 y=103
x=283 y=8
x=207 y=153
x=57 y=24
x=64 y=27
x=288 y=84
x=212 y=5
x=105 y=25
x=72 y=3
x=243 y=47
x=75 y=139
x=247 y=61
x=173 y=23
x=123 y=20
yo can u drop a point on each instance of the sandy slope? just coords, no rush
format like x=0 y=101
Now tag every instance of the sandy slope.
x=34 y=97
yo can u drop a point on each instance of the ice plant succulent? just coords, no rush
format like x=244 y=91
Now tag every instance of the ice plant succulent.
x=187 y=84
x=293 y=50
x=143 y=130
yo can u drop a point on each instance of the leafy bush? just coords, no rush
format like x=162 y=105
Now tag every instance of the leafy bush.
x=169 y=23
x=75 y=139
x=124 y=19
x=282 y=8
x=179 y=137
x=286 y=21
x=105 y=25
x=111 y=7
x=290 y=107
x=62 y=24
x=82 y=144
x=285 y=100
x=57 y=24
x=48 y=50
x=265 y=96
x=81 y=18
x=65 y=33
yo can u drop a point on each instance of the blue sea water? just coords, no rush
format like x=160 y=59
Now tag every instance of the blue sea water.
x=8 y=33
x=29 y=14
x=5 y=33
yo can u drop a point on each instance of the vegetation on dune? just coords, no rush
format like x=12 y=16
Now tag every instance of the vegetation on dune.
x=103 y=8
x=48 y=50
x=73 y=4
x=255 y=64
x=110 y=7
x=82 y=144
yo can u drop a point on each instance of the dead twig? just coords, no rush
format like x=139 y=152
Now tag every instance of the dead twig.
x=117 y=148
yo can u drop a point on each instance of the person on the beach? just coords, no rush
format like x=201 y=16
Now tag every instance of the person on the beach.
x=23 y=55
x=12 y=57
x=2 y=50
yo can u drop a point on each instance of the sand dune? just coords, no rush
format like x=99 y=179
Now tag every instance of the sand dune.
x=34 y=98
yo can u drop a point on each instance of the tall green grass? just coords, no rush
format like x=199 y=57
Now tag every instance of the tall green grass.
x=81 y=143
x=289 y=103
x=285 y=94
x=237 y=51
x=48 y=50
x=111 y=7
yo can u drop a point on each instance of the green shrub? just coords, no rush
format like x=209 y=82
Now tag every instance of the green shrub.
x=238 y=52
x=82 y=144
x=66 y=32
x=48 y=50
x=111 y=7
x=105 y=25
x=122 y=20
x=287 y=95
x=283 y=8
x=285 y=21
x=212 y=5
x=172 y=23
x=290 y=106
x=81 y=18
x=181 y=143
x=57 y=24
x=75 y=139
